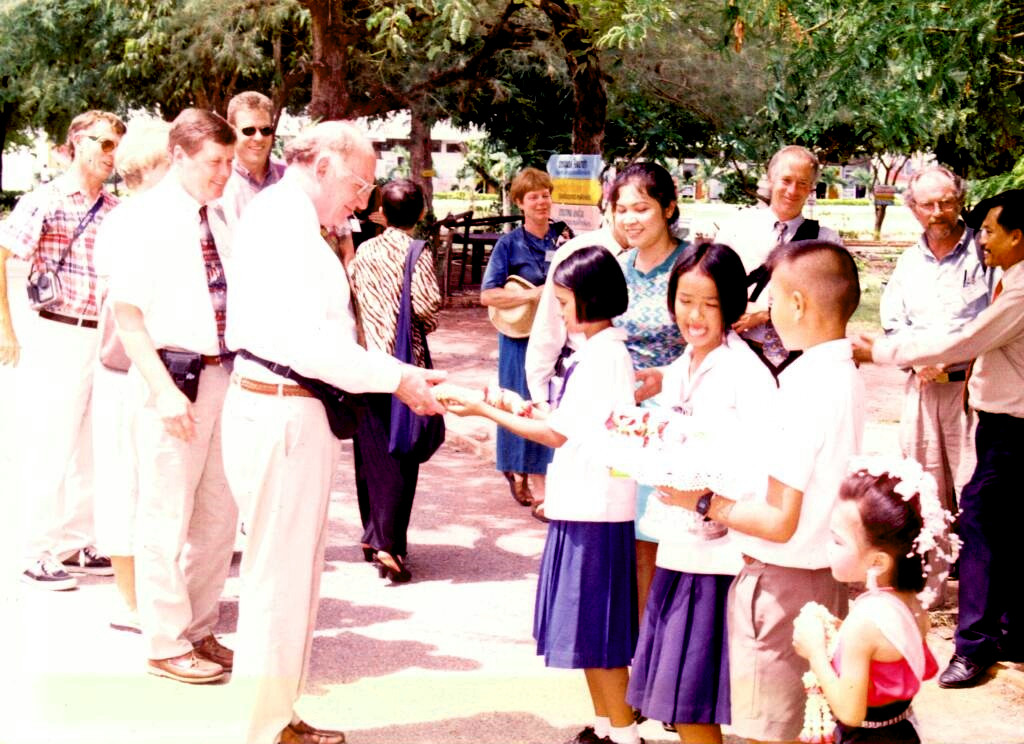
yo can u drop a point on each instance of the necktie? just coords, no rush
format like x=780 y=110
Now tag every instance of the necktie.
x=970 y=367
x=215 y=279
x=780 y=233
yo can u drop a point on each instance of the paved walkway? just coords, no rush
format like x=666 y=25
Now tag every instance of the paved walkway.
x=446 y=659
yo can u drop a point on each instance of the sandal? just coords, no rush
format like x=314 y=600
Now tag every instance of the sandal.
x=537 y=511
x=520 y=489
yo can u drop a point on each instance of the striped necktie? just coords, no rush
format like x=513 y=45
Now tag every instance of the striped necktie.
x=216 y=281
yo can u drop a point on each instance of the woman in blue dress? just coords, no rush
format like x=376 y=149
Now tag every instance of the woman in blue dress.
x=644 y=199
x=526 y=252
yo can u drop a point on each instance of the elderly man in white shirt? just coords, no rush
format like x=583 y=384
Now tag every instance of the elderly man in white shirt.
x=169 y=304
x=290 y=305
x=792 y=175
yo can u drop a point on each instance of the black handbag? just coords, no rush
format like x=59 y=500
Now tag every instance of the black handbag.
x=413 y=436
x=343 y=408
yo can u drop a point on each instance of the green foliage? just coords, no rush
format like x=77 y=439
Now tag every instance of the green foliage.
x=737 y=187
x=983 y=189
x=856 y=77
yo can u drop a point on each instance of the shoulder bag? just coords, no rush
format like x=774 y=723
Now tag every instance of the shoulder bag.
x=413 y=436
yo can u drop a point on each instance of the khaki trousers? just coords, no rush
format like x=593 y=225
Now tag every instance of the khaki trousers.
x=935 y=431
x=280 y=458
x=185 y=523
x=54 y=389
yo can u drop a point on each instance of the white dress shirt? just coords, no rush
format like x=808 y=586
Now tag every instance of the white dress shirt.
x=819 y=425
x=161 y=269
x=732 y=393
x=289 y=300
x=548 y=335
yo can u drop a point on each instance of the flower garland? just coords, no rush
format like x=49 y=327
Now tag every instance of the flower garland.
x=935 y=535
x=819 y=725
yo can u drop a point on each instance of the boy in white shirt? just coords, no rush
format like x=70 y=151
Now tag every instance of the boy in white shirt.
x=820 y=421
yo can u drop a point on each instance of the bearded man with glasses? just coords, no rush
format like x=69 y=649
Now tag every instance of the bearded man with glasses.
x=938 y=286
x=54 y=229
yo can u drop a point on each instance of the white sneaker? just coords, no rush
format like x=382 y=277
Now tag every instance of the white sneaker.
x=128 y=621
x=47 y=573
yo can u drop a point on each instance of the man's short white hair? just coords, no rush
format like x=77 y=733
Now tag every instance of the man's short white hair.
x=797 y=151
x=959 y=186
x=341 y=137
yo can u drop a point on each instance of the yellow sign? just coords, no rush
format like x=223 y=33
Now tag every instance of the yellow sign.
x=428 y=173
x=576 y=191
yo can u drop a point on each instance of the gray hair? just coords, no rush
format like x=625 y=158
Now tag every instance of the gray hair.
x=340 y=137
x=799 y=151
x=959 y=185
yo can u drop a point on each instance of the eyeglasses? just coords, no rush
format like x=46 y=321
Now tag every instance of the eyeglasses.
x=250 y=131
x=107 y=145
x=943 y=205
x=365 y=187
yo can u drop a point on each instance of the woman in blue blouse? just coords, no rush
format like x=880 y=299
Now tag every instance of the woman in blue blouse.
x=644 y=200
x=526 y=251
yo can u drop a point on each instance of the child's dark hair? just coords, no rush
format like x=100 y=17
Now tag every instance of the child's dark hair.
x=720 y=263
x=891 y=523
x=653 y=180
x=829 y=271
x=402 y=202
x=594 y=277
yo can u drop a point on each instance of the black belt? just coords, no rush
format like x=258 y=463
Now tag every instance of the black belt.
x=83 y=322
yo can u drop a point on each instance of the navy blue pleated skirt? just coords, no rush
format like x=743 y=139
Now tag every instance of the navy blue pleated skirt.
x=585 y=614
x=681 y=668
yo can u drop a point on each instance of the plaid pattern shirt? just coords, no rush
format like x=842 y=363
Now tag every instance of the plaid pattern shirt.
x=38 y=230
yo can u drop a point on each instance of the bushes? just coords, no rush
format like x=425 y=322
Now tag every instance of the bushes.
x=8 y=199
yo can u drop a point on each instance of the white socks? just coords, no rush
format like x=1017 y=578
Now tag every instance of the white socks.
x=602 y=726
x=624 y=735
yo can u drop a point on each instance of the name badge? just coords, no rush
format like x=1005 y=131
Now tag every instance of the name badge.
x=549 y=256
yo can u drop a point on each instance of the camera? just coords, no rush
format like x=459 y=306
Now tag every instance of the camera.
x=43 y=290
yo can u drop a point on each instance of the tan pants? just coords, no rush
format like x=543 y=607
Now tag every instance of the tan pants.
x=935 y=431
x=54 y=389
x=185 y=525
x=764 y=670
x=280 y=458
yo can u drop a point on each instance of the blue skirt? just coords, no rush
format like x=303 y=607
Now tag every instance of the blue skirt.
x=585 y=616
x=515 y=454
x=681 y=668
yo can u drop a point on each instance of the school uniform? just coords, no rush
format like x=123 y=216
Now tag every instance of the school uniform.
x=818 y=425
x=585 y=614
x=681 y=667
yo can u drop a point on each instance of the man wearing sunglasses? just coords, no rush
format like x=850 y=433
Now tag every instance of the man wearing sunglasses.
x=54 y=228
x=251 y=115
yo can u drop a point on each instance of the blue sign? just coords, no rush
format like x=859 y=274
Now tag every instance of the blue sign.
x=587 y=167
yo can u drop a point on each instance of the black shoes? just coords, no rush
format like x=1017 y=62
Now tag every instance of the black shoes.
x=391 y=567
x=88 y=560
x=962 y=672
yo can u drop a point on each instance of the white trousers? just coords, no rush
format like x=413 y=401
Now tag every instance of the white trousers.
x=54 y=387
x=114 y=467
x=280 y=457
x=185 y=524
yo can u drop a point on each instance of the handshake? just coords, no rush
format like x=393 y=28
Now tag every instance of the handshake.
x=464 y=401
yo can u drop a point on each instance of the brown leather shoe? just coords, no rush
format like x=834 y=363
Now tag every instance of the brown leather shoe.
x=302 y=733
x=213 y=650
x=188 y=668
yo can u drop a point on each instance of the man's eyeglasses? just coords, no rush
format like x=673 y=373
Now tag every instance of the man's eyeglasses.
x=250 y=131
x=943 y=205
x=107 y=145
x=365 y=187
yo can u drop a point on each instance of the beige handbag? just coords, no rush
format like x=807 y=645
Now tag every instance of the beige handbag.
x=514 y=322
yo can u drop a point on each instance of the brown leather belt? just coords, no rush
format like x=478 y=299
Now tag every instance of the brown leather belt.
x=211 y=360
x=269 y=388
x=83 y=322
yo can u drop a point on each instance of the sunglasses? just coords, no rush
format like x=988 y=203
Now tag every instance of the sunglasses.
x=107 y=145
x=250 y=131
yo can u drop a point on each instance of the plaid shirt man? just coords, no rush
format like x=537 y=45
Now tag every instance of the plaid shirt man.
x=38 y=230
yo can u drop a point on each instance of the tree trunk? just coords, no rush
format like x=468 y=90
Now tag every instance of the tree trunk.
x=332 y=37
x=879 y=218
x=421 y=158
x=6 y=114
x=584 y=66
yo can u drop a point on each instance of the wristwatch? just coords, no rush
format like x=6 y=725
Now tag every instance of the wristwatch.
x=704 y=504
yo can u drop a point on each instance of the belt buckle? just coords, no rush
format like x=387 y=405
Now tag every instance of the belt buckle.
x=942 y=377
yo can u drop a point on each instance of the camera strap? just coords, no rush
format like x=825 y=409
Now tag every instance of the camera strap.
x=84 y=223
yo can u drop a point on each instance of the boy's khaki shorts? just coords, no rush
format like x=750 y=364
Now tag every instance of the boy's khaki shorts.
x=767 y=693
